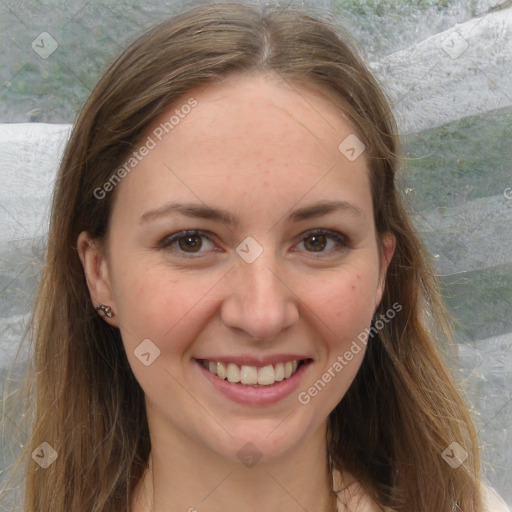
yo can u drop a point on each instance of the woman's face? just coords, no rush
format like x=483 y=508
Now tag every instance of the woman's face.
x=244 y=237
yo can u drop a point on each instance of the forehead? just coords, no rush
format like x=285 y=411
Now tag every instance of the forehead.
x=246 y=138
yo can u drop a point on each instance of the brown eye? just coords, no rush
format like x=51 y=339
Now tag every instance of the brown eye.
x=315 y=243
x=323 y=243
x=190 y=243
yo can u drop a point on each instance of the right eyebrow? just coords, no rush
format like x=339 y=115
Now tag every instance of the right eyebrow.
x=201 y=211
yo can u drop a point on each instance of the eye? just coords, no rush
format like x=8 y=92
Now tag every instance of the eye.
x=322 y=242
x=187 y=242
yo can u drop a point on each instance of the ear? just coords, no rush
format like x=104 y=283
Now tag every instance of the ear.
x=387 y=249
x=95 y=266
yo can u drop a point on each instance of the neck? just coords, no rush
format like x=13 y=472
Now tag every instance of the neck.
x=186 y=477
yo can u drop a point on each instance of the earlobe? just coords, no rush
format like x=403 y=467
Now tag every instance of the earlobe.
x=388 y=248
x=97 y=276
x=388 y=245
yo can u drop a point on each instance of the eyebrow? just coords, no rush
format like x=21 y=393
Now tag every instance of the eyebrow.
x=204 y=211
x=325 y=207
x=201 y=211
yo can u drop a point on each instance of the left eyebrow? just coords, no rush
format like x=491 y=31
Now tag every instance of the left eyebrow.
x=324 y=208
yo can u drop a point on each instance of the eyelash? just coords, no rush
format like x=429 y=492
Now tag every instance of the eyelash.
x=343 y=243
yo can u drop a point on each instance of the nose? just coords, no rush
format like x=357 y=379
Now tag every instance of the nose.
x=258 y=301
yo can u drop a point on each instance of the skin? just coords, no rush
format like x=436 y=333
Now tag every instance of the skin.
x=261 y=149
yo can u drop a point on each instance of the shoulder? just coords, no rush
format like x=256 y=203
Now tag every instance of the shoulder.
x=491 y=501
x=352 y=497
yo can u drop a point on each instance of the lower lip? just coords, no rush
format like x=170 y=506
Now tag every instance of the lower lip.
x=256 y=396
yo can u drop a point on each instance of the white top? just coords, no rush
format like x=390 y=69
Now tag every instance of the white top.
x=492 y=502
x=358 y=501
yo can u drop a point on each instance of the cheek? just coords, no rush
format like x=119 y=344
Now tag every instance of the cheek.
x=341 y=316
x=345 y=303
x=164 y=307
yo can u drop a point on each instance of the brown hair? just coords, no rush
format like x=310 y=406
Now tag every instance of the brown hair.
x=402 y=410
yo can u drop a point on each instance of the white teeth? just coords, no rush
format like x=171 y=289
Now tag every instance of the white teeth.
x=233 y=373
x=251 y=375
x=266 y=375
x=221 y=370
x=279 y=372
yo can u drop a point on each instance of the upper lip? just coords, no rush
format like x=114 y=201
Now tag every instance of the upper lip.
x=261 y=361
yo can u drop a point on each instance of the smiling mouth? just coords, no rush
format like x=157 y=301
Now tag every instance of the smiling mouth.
x=252 y=376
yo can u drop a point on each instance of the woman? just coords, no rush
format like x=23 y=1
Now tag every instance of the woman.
x=235 y=310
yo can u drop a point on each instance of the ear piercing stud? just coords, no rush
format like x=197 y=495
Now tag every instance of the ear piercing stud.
x=107 y=310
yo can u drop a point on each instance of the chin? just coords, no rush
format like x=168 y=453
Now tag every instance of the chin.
x=263 y=441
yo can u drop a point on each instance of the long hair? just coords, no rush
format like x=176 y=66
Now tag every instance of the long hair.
x=402 y=410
